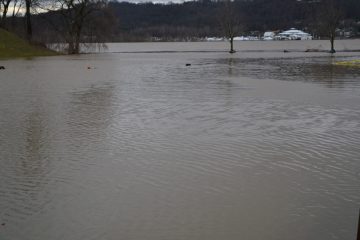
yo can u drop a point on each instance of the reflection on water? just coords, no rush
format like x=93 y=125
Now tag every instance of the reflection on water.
x=34 y=161
x=90 y=114
x=143 y=147
x=25 y=167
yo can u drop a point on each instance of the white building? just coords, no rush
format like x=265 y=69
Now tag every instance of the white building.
x=293 y=34
x=269 y=36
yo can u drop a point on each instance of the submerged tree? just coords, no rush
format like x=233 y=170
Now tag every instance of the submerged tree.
x=76 y=13
x=77 y=21
x=329 y=19
x=229 y=22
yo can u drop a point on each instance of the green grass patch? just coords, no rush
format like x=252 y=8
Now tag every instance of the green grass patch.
x=12 y=46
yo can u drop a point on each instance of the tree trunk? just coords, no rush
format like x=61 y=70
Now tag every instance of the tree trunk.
x=3 y=19
x=76 y=46
x=332 y=39
x=74 y=40
x=232 y=45
x=4 y=13
x=28 y=20
x=71 y=47
x=77 y=40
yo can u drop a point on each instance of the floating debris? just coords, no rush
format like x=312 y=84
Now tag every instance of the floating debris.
x=312 y=50
x=2 y=67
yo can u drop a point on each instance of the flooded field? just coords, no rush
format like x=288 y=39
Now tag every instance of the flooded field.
x=133 y=144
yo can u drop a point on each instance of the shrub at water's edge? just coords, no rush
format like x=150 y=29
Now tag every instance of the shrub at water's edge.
x=12 y=46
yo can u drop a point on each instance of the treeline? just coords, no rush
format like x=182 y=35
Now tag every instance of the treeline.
x=96 y=21
x=201 y=18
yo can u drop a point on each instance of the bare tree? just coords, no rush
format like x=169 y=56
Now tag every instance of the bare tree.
x=4 y=7
x=229 y=22
x=329 y=20
x=76 y=17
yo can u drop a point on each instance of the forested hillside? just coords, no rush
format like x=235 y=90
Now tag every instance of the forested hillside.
x=192 y=20
x=200 y=18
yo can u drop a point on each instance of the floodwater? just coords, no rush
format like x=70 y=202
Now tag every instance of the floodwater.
x=132 y=144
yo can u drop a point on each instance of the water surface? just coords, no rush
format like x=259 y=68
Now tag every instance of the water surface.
x=256 y=145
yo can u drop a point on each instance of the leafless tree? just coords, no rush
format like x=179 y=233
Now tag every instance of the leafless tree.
x=77 y=21
x=4 y=7
x=329 y=19
x=229 y=21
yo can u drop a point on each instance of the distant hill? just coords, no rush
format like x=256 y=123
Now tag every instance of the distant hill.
x=200 y=18
x=12 y=46
x=192 y=20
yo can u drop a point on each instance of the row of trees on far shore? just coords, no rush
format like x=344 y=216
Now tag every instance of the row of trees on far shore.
x=96 y=21
x=70 y=21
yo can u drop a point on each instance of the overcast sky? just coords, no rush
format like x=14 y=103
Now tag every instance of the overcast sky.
x=154 y=1
x=22 y=10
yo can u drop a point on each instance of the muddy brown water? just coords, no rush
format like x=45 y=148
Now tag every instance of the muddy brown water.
x=261 y=144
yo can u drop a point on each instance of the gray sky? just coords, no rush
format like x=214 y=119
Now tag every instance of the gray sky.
x=154 y=1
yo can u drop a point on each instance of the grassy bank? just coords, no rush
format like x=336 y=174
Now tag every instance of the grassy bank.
x=11 y=46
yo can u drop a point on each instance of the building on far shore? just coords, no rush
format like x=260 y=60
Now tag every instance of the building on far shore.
x=293 y=34
x=269 y=36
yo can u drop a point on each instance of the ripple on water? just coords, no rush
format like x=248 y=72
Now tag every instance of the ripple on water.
x=184 y=152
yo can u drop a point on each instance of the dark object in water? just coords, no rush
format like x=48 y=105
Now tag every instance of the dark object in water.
x=2 y=67
x=312 y=50
x=188 y=64
x=285 y=51
x=3 y=224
